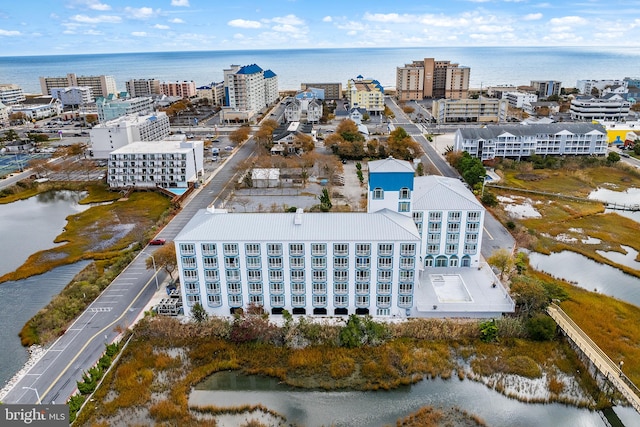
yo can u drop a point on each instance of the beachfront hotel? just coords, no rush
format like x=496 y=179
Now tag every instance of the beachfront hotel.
x=414 y=253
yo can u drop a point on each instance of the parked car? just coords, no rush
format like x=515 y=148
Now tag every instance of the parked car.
x=157 y=242
x=228 y=148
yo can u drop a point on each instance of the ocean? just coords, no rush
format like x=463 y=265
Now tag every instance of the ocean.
x=489 y=65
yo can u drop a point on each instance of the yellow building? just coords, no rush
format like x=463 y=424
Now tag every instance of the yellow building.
x=619 y=132
x=365 y=93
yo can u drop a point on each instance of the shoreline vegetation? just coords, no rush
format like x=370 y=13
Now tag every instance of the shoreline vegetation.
x=167 y=358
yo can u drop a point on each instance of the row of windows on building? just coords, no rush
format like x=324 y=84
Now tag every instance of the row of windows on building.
x=298 y=249
x=150 y=156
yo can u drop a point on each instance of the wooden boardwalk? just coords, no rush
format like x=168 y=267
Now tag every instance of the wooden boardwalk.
x=600 y=360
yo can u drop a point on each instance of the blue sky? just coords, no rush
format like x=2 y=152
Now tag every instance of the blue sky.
x=38 y=27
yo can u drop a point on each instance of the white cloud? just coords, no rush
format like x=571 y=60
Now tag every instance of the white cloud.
x=139 y=13
x=176 y=21
x=285 y=28
x=9 y=33
x=139 y=34
x=242 y=23
x=102 y=19
x=93 y=33
x=161 y=27
x=389 y=17
x=327 y=19
x=287 y=20
x=532 y=17
x=96 y=5
x=184 y=3
x=568 y=20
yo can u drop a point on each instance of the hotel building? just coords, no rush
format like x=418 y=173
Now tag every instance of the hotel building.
x=143 y=87
x=11 y=94
x=480 y=110
x=109 y=108
x=415 y=253
x=248 y=90
x=432 y=79
x=365 y=93
x=100 y=85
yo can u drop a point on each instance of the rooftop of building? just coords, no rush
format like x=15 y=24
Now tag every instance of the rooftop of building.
x=434 y=192
x=390 y=164
x=159 y=147
x=131 y=120
x=493 y=131
x=383 y=226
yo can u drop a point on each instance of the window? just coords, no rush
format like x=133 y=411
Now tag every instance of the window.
x=213 y=287
x=433 y=249
x=230 y=249
x=385 y=249
x=408 y=249
x=385 y=262
x=275 y=262
x=191 y=275
x=276 y=287
x=340 y=263
x=297 y=288
x=255 y=288
x=340 y=300
x=451 y=249
x=453 y=261
x=340 y=288
x=417 y=217
x=211 y=275
x=383 y=301
x=296 y=249
x=454 y=216
x=187 y=248
x=275 y=275
x=362 y=300
x=378 y=193
x=319 y=275
x=319 y=300
x=405 y=301
x=473 y=216
x=297 y=300
x=452 y=237
x=340 y=276
x=277 y=300
x=473 y=227
x=188 y=262
x=362 y=288
x=363 y=249
x=252 y=249
x=210 y=262
x=231 y=262
x=254 y=275
x=471 y=238
x=406 y=275
x=274 y=249
x=384 y=276
x=296 y=262
x=470 y=248
x=453 y=227
x=406 y=262
x=297 y=275
x=234 y=287
x=318 y=249
x=434 y=227
x=214 y=300
x=191 y=287
x=435 y=216
x=235 y=301
x=363 y=275
x=363 y=262
x=193 y=299
x=405 y=193
x=433 y=238
x=406 y=288
x=253 y=262
x=403 y=206
x=319 y=288
x=255 y=299
x=384 y=288
x=340 y=249
x=428 y=262
x=318 y=262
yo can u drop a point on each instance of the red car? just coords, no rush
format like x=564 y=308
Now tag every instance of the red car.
x=157 y=242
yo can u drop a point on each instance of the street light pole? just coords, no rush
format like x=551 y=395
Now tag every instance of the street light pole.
x=36 y=390
x=155 y=275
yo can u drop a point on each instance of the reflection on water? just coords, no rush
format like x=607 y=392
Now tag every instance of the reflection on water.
x=34 y=223
x=313 y=408
x=589 y=274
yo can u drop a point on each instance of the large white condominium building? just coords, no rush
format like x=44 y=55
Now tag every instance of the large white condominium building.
x=516 y=141
x=612 y=107
x=109 y=136
x=415 y=253
x=249 y=88
x=100 y=85
x=143 y=87
x=11 y=94
x=169 y=163
x=73 y=96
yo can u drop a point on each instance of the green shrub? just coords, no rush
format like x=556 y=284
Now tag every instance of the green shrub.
x=541 y=327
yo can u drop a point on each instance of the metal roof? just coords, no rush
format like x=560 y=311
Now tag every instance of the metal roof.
x=441 y=193
x=494 y=131
x=268 y=74
x=249 y=69
x=384 y=225
x=390 y=164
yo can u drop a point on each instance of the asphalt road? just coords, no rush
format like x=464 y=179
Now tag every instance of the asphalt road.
x=54 y=376
x=495 y=236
